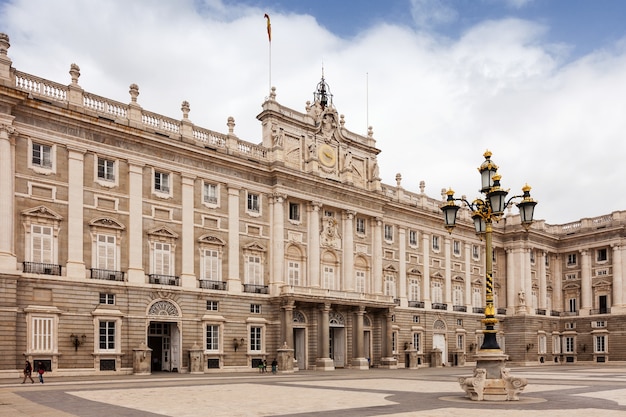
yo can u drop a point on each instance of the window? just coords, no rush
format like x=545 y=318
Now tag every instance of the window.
x=460 y=342
x=256 y=339
x=211 y=265
x=390 y=286
x=599 y=344
x=532 y=257
x=360 y=225
x=389 y=232
x=571 y=276
x=456 y=247
x=293 y=272
x=416 y=342
x=41 y=156
x=475 y=252
x=416 y=319
x=572 y=305
x=106 y=169
x=106 y=252
x=106 y=298
x=569 y=344
x=294 y=212
x=435 y=243
x=212 y=305
x=571 y=259
x=42 y=244
x=542 y=344
x=107 y=335
x=414 y=290
x=255 y=308
x=360 y=281
x=601 y=255
x=457 y=295
x=161 y=182
x=437 y=292
x=209 y=193
x=394 y=342
x=459 y=322
x=254 y=204
x=328 y=213
x=254 y=271
x=212 y=337
x=329 y=277
x=477 y=297
x=162 y=259
x=412 y=238
x=556 y=344
x=42 y=334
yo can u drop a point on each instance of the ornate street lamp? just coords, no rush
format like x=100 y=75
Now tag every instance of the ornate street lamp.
x=485 y=211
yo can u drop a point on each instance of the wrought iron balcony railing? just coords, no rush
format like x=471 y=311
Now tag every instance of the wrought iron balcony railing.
x=257 y=289
x=213 y=285
x=41 y=268
x=107 y=274
x=164 y=279
x=416 y=304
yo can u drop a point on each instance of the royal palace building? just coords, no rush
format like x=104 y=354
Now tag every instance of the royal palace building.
x=128 y=236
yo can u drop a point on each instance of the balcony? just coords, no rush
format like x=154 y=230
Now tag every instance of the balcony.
x=396 y=301
x=540 y=312
x=41 y=268
x=213 y=285
x=501 y=311
x=164 y=279
x=256 y=289
x=416 y=304
x=568 y=313
x=459 y=308
x=439 y=306
x=554 y=313
x=478 y=310
x=604 y=310
x=106 y=274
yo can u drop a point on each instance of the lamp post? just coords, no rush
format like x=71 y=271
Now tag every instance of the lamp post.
x=491 y=380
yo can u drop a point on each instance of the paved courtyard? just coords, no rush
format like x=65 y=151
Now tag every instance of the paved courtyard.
x=555 y=391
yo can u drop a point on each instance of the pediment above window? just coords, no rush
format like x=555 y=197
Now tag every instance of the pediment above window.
x=42 y=212
x=163 y=231
x=211 y=240
x=107 y=222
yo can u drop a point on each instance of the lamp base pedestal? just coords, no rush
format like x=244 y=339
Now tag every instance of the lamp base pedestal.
x=491 y=380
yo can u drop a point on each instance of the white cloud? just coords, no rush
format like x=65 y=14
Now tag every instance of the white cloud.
x=435 y=104
x=431 y=13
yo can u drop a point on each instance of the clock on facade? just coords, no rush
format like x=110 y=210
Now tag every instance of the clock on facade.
x=327 y=155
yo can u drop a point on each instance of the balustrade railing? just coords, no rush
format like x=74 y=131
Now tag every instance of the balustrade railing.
x=107 y=274
x=416 y=304
x=164 y=279
x=459 y=308
x=478 y=310
x=439 y=306
x=213 y=285
x=257 y=289
x=41 y=268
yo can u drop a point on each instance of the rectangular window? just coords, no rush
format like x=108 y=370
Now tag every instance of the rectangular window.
x=601 y=255
x=459 y=322
x=106 y=169
x=475 y=252
x=41 y=244
x=569 y=344
x=394 y=342
x=106 y=298
x=460 y=342
x=328 y=213
x=255 y=308
x=255 y=339
x=390 y=286
x=162 y=258
x=211 y=265
x=212 y=305
x=42 y=155
x=600 y=344
x=412 y=238
x=254 y=205
x=293 y=272
x=42 y=334
x=532 y=257
x=294 y=212
x=572 y=305
x=213 y=337
x=556 y=344
x=456 y=247
x=210 y=193
x=329 y=277
x=543 y=344
x=416 y=319
x=360 y=225
x=414 y=290
x=571 y=259
x=253 y=270
x=161 y=182
x=571 y=276
x=389 y=232
x=436 y=243
x=107 y=335
x=106 y=252
x=360 y=281
x=416 y=341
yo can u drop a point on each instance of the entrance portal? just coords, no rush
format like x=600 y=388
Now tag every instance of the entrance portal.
x=164 y=340
x=299 y=342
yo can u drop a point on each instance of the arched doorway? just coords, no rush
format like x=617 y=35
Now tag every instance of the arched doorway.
x=337 y=339
x=164 y=335
x=439 y=339
x=299 y=339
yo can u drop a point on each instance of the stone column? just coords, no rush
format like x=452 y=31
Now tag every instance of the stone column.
x=234 y=281
x=324 y=363
x=188 y=276
x=511 y=300
x=447 y=253
x=314 y=243
x=402 y=292
x=359 y=361
x=426 y=277
x=8 y=259
x=377 y=256
x=543 y=286
x=469 y=295
x=348 y=251
x=557 y=283
x=585 y=283
x=388 y=361
x=136 y=272
x=527 y=279
x=278 y=245
x=618 y=280
x=75 y=259
x=288 y=323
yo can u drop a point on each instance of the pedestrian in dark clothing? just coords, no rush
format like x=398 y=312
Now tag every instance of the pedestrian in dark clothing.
x=41 y=369
x=28 y=371
x=274 y=366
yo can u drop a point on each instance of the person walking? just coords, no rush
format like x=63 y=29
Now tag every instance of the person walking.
x=274 y=366
x=28 y=372
x=40 y=370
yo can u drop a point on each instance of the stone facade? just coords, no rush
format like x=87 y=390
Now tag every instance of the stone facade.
x=129 y=235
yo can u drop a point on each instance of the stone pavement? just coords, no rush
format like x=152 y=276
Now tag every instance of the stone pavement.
x=559 y=391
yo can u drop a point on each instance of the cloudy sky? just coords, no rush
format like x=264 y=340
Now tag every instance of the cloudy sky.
x=540 y=83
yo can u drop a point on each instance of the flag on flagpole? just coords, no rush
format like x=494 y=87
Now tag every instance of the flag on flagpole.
x=269 y=27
